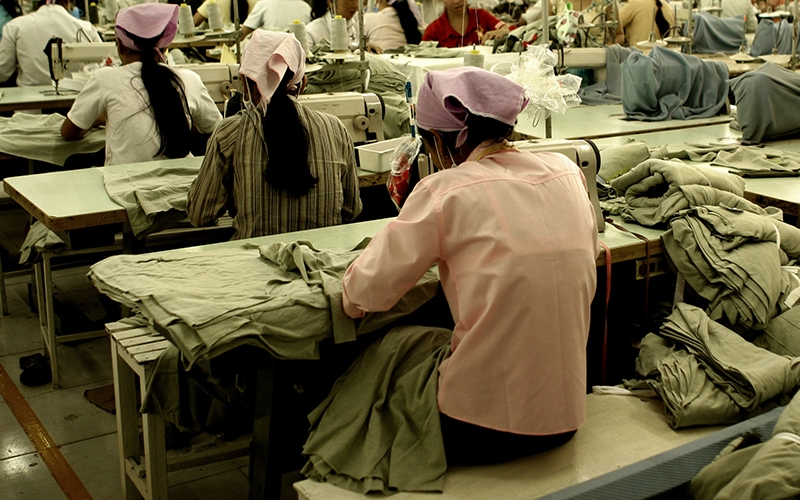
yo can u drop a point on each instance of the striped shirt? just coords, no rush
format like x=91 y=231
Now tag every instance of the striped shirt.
x=231 y=178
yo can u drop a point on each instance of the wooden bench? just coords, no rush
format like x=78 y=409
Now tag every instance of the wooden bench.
x=619 y=431
x=134 y=351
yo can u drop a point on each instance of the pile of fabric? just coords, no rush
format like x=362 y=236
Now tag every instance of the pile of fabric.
x=38 y=137
x=608 y=91
x=765 y=102
x=713 y=34
x=665 y=85
x=770 y=35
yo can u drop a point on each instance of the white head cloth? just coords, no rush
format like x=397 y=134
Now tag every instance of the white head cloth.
x=267 y=58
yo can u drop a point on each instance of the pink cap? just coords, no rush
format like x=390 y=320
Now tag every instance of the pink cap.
x=147 y=20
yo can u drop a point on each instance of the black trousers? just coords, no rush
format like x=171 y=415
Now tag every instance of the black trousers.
x=468 y=444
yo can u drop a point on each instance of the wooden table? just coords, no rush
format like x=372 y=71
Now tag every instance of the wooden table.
x=596 y=122
x=37 y=97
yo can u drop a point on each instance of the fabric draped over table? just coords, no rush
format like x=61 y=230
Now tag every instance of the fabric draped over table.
x=713 y=34
x=668 y=85
x=767 y=33
x=38 y=137
x=767 y=100
x=608 y=91
x=766 y=471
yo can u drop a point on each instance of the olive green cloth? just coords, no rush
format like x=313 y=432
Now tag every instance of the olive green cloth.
x=38 y=137
x=39 y=239
x=782 y=335
x=768 y=471
x=617 y=160
x=378 y=430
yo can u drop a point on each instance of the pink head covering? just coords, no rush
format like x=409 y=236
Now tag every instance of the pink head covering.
x=447 y=97
x=147 y=20
x=267 y=58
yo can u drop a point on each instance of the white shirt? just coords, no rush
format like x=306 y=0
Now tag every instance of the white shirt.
x=25 y=37
x=320 y=28
x=277 y=15
x=131 y=133
x=733 y=8
x=225 y=9
x=383 y=29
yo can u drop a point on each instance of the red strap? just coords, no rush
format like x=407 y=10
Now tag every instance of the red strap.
x=604 y=353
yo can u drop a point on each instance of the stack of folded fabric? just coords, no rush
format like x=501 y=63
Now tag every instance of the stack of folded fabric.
x=733 y=259
x=720 y=377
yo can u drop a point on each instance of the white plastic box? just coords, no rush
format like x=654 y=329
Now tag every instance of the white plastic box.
x=375 y=157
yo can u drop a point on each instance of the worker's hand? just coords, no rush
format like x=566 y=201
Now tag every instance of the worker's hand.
x=495 y=34
x=374 y=48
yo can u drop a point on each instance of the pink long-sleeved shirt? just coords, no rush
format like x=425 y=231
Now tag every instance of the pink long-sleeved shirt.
x=515 y=238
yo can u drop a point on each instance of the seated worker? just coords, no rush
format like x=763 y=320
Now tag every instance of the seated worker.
x=515 y=239
x=636 y=17
x=396 y=24
x=459 y=26
x=25 y=37
x=226 y=8
x=276 y=15
x=322 y=13
x=277 y=166
x=150 y=109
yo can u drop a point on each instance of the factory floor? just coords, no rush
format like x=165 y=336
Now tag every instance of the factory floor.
x=84 y=434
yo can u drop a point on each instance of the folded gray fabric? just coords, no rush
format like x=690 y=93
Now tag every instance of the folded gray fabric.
x=249 y=299
x=769 y=36
x=748 y=374
x=766 y=100
x=767 y=471
x=668 y=85
x=731 y=258
x=713 y=34
x=378 y=430
x=653 y=189
x=782 y=335
x=690 y=151
x=610 y=90
x=38 y=137
x=431 y=50
x=154 y=199
x=617 y=160
x=748 y=159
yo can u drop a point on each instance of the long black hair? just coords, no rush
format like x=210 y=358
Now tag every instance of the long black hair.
x=408 y=21
x=287 y=166
x=661 y=21
x=12 y=7
x=319 y=8
x=167 y=100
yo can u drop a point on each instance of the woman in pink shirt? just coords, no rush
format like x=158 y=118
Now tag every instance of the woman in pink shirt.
x=515 y=240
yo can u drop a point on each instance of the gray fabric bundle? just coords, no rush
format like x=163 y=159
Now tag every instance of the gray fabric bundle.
x=731 y=258
x=766 y=102
x=378 y=430
x=748 y=159
x=618 y=160
x=748 y=374
x=782 y=335
x=767 y=471
x=38 y=137
x=610 y=90
x=767 y=34
x=154 y=199
x=38 y=240
x=668 y=85
x=713 y=34
x=656 y=189
x=284 y=298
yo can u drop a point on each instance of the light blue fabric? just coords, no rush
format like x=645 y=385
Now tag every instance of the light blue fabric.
x=668 y=85
x=767 y=33
x=713 y=34
x=609 y=91
x=767 y=100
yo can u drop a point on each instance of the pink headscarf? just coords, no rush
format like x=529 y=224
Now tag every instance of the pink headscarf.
x=267 y=57
x=147 y=20
x=447 y=97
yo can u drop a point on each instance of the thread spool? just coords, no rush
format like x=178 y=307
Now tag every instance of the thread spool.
x=298 y=29
x=339 y=40
x=93 y=17
x=473 y=58
x=185 y=20
x=214 y=16
x=111 y=10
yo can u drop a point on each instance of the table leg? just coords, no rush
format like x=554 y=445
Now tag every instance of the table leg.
x=49 y=316
x=265 y=472
x=127 y=416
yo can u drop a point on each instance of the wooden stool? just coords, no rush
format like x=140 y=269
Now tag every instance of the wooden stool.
x=134 y=351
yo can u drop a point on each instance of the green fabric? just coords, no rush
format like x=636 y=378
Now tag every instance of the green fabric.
x=617 y=160
x=39 y=239
x=690 y=151
x=653 y=188
x=748 y=374
x=429 y=49
x=782 y=335
x=653 y=349
x=38 y=137
x=730 y=258
x=378 y=430
x=752 y=159
x=769 y=471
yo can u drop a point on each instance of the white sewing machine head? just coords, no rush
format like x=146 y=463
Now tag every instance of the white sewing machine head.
x=221 y=80
x=361 y=114
x=62 y=56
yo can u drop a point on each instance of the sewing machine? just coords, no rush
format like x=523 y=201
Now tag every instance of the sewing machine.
x=221 y=80
x=62 y=56
x=361 y=114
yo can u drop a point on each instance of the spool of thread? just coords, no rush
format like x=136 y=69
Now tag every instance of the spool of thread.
x=214 y=16
x=185 y=20
x=473 y=58
x=339 y=40
x=111 y=10
x=298 y=29
x=93 y=17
